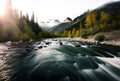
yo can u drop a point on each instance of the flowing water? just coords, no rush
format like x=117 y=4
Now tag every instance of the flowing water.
x=63 y=60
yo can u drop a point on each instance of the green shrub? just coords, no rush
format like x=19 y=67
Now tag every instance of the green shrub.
x=99 y=37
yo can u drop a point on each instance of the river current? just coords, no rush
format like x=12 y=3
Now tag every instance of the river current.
x=64 y=60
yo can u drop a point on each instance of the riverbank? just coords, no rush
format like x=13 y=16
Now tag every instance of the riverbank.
x=90 y=40
x=15 y=58
x=111 y=38
x=4 y=63
x=47 y=60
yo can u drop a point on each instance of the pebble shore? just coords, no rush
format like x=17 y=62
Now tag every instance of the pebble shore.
x=108 y=42
x=4 y=63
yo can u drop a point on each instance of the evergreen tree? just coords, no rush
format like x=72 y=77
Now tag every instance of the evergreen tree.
x=33 y=17
x=15 y=26
x=27 y=17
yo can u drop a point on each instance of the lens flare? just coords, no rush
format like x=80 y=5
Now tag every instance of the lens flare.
x=2 y=4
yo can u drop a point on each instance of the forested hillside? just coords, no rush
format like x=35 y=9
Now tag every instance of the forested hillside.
x=15 y=26
x=103 y=19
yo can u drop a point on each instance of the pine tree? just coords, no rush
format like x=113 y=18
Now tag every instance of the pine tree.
x=28 y=29
x=33 y=18
x=27 y=17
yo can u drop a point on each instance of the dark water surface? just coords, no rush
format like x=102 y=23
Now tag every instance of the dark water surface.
x=60 y=60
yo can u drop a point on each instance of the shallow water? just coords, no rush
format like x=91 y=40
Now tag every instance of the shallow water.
x=61 y=60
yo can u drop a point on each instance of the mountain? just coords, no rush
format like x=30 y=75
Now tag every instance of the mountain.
x=61 y=26
x=49 y=24
x=68 y=19
x=44 y=26
x=104 y=18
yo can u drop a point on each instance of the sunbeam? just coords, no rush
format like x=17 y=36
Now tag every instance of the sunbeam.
x=2 y=4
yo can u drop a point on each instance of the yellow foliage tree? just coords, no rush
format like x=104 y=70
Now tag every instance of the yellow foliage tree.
x=70 y=34
x=105 y=17
x=77 y=33
x=91 y=19
x=73 y=32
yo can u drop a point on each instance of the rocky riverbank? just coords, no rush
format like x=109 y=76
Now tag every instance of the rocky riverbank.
x=90 y=40
x=111 y=38
x=4 y=65
x=14 y=52
x=7 y=50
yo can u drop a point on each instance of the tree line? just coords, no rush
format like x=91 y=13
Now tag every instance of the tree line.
x=15 y=26
x=94 y=23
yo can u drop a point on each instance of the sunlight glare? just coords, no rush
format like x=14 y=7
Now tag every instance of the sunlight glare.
x=2 y=3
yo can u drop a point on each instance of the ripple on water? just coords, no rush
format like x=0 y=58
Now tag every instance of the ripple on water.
x=68 y=63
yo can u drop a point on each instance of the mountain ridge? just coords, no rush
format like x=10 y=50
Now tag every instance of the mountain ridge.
x=106 y=19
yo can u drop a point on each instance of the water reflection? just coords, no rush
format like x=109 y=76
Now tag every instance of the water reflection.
x=66 y=62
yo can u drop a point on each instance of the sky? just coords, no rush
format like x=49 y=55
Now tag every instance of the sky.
x=45 y=10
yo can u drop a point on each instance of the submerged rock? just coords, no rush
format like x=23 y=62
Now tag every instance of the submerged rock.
x=9 y=43
x=40 y=47
x=61 y=43
x=77 y=45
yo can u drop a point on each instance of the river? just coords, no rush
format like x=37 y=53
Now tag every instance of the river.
x=63 y=60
